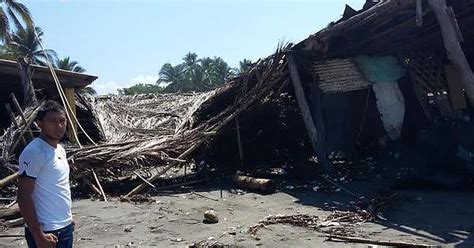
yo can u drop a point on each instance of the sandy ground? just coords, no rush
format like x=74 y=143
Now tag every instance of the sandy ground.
x=175 y=219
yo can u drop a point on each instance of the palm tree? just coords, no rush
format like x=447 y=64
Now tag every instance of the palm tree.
x=173 y=75
x=71 y=65
x=24 y=46
x=244 y=65
x=222 y=71
x=16 y=12
x=10 y=10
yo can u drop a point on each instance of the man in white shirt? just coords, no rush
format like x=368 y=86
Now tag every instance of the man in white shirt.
x=44 y=194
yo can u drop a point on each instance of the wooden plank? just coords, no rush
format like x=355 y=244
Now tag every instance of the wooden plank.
x=453 y=47
x=307 y=117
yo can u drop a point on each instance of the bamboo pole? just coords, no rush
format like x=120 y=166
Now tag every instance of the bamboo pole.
x=452 y=45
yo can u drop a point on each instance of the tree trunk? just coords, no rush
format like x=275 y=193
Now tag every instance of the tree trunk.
x=453 y=47
x=29 y=96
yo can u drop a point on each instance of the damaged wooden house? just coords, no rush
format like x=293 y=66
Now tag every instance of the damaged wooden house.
x=395 y=72
x=15 y=119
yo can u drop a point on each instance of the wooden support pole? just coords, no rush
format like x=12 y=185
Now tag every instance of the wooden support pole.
x=307 y=117
x=71 y=99
x=239 y=141
x=452 y=45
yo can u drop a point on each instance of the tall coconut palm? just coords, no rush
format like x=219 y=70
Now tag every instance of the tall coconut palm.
x=12 y=11
x=24 y=46
x=72 y=65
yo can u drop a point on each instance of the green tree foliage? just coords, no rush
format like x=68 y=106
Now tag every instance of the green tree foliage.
x=16 y=12
x=24 y=46
x=141 y=89
x=198 y=74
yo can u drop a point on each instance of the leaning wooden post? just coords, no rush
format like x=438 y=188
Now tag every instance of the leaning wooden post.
x=239 y=141
x=308 y=119
x=452 y=45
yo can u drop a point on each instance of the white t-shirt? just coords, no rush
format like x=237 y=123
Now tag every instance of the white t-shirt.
x=52 y=193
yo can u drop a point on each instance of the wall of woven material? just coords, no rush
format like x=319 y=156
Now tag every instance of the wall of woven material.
x=380 y=69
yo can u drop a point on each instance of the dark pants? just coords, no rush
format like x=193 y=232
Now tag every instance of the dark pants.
x=64 y=235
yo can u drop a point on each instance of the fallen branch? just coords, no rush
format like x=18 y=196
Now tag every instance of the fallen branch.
x=8 y=179
x=10 y=213
x=15 y=222
x=338 y=238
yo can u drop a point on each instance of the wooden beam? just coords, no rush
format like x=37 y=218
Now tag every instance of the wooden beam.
x=305 y=111
x=453 y=47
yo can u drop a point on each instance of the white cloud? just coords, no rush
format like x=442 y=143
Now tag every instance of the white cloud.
x=110 y=87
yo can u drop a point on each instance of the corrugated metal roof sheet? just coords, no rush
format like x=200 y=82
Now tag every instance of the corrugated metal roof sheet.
x=339 y=75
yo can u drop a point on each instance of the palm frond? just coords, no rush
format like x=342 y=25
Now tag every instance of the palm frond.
x=283 y=45
x=4 y=27
x=21 y=10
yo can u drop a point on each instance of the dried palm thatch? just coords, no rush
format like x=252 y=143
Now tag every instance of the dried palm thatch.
x=147 y=131
x=145 y=115
x=11 y=139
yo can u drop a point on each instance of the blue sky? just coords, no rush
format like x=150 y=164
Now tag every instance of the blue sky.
x=126 y=42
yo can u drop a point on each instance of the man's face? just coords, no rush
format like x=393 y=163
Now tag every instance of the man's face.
x=53 y=125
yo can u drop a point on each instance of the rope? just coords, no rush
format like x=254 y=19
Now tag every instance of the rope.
x=62 y=96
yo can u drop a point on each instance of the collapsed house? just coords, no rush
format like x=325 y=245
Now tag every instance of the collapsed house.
x=397 y=71
x=17 y=122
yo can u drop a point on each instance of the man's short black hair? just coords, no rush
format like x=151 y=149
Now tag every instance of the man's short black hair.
x=49 y=106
